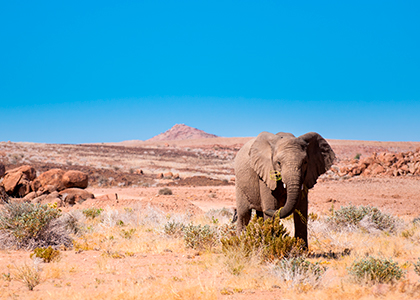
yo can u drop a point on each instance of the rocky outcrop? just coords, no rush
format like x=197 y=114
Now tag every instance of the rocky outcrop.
x=55 y=185
x=380 y=164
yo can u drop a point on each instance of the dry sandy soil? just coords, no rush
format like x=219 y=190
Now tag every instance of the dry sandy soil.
x=112 y=170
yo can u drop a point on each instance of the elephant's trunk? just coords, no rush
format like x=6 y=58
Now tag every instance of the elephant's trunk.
x=293 y=196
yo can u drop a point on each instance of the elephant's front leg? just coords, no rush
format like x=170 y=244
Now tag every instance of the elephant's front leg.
x=300 y=218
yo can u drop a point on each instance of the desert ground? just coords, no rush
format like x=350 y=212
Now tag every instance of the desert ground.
x=126 y=178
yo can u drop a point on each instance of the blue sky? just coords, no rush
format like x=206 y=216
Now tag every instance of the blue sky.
x=107 y=71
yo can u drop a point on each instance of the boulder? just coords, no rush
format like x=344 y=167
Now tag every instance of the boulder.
x=16 y=181
x=3 y=195
x=75 y=179
x=74 y=196
x=11 y=181
x=2 y=170
x=52 y=177
x=31 y=196
x=168 y=175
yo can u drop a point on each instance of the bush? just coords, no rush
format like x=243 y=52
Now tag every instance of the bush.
x=269 y=237
x=417 y=267
x=353 y=216
x=92 y=213
x=175 y=229
x=46 y=254
x=299 y=271
x=26 y=220
x=165 y=191
x=199 y=237
x=376 y=270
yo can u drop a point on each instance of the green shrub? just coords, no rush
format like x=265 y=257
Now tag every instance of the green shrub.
x=269 y=237
x=199 y=237
x=92 y=212
x=128 y=234
x=26 y=220
x=165 y=191
x=175 y=229
x=417 y=267
x=46 y=254
x=352 y=215
x=376 y=270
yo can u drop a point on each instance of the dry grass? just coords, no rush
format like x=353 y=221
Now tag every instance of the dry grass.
x=135 y=259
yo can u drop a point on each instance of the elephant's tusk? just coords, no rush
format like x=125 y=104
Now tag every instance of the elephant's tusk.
x=302 y=187
x=284 y=185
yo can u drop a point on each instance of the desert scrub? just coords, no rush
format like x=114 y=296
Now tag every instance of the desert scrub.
x=174 y=229
x=199 y=237
x=92 y=213
x=26 y=220
x=165 y=191
x=299 y=272
x=417 y=267
x=357 y=216
x=268 y=237
x=372 y=270
x=46 y=254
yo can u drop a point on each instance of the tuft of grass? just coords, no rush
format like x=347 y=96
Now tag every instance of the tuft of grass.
x=299 y=272
x=199 y=237
x=46 y=254
x=92 y=213
x=372 y=270
x=269 y=237
x=29 y=275
x=128 y=234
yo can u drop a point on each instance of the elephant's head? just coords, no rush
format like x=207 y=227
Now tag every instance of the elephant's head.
x=283 y=161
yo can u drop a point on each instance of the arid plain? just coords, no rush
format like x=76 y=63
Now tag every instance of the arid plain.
x=125 y=179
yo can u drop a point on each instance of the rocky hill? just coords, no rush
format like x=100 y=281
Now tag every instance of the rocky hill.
x=181 y=132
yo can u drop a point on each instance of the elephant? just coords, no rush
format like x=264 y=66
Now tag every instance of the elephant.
x=274 y=172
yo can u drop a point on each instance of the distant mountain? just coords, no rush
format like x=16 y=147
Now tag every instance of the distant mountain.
x=182 y=132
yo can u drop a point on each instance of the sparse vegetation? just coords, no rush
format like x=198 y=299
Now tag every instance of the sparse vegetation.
x=299 y=272
x=199 y=237
x=92 y=213
x=348 y=216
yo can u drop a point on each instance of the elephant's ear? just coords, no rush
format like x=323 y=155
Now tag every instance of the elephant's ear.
x=261 y=158
x=320 y=157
